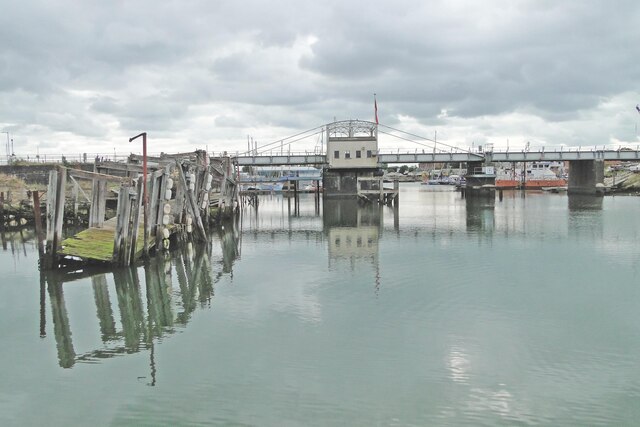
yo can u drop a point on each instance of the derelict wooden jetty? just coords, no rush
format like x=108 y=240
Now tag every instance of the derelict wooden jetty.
x=184 y=193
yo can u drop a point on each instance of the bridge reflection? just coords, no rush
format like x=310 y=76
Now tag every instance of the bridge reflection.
x=136 y=307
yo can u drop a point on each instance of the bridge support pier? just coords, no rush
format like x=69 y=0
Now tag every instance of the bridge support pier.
x=586 y=177
x=479 y=184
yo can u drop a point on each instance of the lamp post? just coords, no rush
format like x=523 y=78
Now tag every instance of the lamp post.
x=144 y=191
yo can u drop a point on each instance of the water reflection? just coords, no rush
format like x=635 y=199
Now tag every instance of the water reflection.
x=480 y=214
x=353 y=230
x=16 y=241
x=579 y=202
x=137 y=306
x=585 y=215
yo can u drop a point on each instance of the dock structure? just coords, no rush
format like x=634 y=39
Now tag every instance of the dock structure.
x=186 y=192
x=371 y=188
x=352 y=169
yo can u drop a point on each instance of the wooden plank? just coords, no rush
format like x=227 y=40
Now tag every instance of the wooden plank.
x=80 y=188
x=96 y=244
x=77 y=173
x=122 y=167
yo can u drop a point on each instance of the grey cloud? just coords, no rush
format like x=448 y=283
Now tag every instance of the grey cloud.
x=99 y=70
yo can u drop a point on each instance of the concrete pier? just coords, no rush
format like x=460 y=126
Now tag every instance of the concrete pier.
x=481 y=181
x=584 y=177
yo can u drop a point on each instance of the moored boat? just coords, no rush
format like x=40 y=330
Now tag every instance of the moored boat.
x=538 y=175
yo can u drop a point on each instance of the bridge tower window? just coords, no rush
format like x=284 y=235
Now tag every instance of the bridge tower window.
x=358 y=154
x=369 y=154
x=347 y=154
x=336 y=154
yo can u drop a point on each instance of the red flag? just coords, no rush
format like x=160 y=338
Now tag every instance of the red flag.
x=375 y=106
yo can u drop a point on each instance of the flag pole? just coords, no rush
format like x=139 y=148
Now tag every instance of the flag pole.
x=375 y=108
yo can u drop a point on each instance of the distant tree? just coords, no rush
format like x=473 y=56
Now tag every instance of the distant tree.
x=392 y=169
x=403 y=169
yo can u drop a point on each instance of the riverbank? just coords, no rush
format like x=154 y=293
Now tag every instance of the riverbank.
x=630 y=185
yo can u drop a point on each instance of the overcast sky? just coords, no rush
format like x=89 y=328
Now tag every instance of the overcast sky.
x=78 y=76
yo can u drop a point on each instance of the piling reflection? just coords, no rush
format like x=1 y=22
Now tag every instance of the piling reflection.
x=579 y=202
x=136 y=307
x=585 y=215
x=16 y=241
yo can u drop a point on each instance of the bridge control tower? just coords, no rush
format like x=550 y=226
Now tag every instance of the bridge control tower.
x=352 y=153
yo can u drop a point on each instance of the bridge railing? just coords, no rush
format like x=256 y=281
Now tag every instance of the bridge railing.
x=34 y=158
x=565 y=149
x=539 y=148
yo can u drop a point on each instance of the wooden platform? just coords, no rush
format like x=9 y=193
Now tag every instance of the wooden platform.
x=96 y=244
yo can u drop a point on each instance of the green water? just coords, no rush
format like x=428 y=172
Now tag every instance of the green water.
x=444 y=312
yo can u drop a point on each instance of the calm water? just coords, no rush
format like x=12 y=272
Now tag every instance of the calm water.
x=440 y=313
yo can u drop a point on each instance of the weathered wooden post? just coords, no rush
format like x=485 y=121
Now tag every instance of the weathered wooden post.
x=149 y=225
x=38 y=221
x=98 y=203
x=136 y=222
x=2 y=210
x=396 y=191
x=191 y=205
x=55 y=214
x=120 y=255
x=145 y=200
x=75 y=201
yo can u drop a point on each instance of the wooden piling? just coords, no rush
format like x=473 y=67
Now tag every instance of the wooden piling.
x=60 y=199
x=158 y=207
x=122 y=228
x=98 y=203
x=151 y=213
x=180 y=199
x=38 y=221
x=396 y=192
x=75 y=200
x=192 y=208
x=55 y=215
x=2 y=210
x=136 y=221
x=50 y=219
